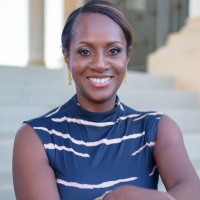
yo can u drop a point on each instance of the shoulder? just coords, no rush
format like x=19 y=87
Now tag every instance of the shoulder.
x=28 y=148
x=169 y=135
x=168 y=128
x=27 y=141
x=25 y=132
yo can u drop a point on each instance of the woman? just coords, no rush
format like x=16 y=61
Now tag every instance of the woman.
x=93 y=145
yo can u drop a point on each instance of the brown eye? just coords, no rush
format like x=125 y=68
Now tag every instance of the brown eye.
x=114 y=51
x=84 y=52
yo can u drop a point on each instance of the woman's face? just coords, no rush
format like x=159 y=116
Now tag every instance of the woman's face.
x=97 y=60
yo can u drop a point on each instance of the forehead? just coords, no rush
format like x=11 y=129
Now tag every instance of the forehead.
x=97 y=18
x=95 y=24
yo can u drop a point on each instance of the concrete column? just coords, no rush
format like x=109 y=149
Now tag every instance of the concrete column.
x=54 y=22
x=194 y=9
x=56 y=13
x=162 y=21
x=36 y=32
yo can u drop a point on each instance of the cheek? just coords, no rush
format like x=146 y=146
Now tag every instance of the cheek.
x=78 y=68
x=121 y=65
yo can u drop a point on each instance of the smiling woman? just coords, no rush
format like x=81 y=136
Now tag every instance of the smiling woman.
x=94 y=146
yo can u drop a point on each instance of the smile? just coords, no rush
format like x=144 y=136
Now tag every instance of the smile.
x=100 y=80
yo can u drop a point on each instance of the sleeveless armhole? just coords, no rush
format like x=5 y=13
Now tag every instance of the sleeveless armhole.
x=45 y=137
x=151 y=128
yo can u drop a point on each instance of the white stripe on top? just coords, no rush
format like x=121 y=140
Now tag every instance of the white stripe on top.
x=153 y=171
x=60 y=148
x=97 y=186
x=83 y=122
x=50 y=114
x=143 y=116
x=150 y=144
x=95 y=143
x=102 y=124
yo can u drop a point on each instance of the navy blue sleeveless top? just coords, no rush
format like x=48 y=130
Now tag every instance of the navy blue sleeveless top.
x=91 y=153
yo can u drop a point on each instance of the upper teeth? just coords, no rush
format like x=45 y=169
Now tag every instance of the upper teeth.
x=100 y=80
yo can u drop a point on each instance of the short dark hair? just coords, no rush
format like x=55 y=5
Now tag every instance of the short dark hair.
x=101 y=7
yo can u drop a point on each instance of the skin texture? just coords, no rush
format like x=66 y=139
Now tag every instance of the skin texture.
x=95 y=54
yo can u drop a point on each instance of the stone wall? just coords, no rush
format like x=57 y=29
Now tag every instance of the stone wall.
x=180 y=57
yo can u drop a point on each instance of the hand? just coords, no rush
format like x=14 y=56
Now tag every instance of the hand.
x=135 y=193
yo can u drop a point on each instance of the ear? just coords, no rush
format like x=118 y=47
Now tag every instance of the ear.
x=66 y=57
x=129 y=52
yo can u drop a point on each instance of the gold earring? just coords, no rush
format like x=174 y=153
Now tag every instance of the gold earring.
x=125 y=76
x=69 y=77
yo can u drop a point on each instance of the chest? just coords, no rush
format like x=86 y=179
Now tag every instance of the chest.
x=96 y=159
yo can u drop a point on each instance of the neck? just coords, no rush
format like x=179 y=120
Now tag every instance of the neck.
x=97 y=106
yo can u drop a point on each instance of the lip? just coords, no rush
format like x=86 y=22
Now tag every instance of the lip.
x=99 y=81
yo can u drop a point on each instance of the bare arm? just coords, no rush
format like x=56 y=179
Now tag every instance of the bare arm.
x=135 y=193
x=174 y=165
x=33 y=177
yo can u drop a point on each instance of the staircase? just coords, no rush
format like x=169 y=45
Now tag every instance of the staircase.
x=29 y=92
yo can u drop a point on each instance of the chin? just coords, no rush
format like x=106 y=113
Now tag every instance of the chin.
x=102 y=98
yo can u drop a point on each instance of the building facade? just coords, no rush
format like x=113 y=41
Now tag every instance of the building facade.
x=180 y=57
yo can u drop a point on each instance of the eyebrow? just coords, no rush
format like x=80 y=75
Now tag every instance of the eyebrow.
x=91 y=44
x=108 y=44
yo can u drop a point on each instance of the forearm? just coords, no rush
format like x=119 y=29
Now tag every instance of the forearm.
x=135 y=193
x=186 y=190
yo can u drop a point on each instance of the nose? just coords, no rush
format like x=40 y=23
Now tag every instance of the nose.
x=100 y=63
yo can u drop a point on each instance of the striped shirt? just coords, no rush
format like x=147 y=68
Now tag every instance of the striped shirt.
x=91 y=153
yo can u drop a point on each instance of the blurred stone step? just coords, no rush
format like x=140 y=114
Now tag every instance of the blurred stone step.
x=6 y=183
x=6 y=179
x=35 y=96
x=6 y=151
x=187 y=119
x=7 y=193
x=13 y=116
x=155 y=98
x=32 y=75
x=192 y=143
x=148 y=98
x=139 y=80
x=39 y=76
